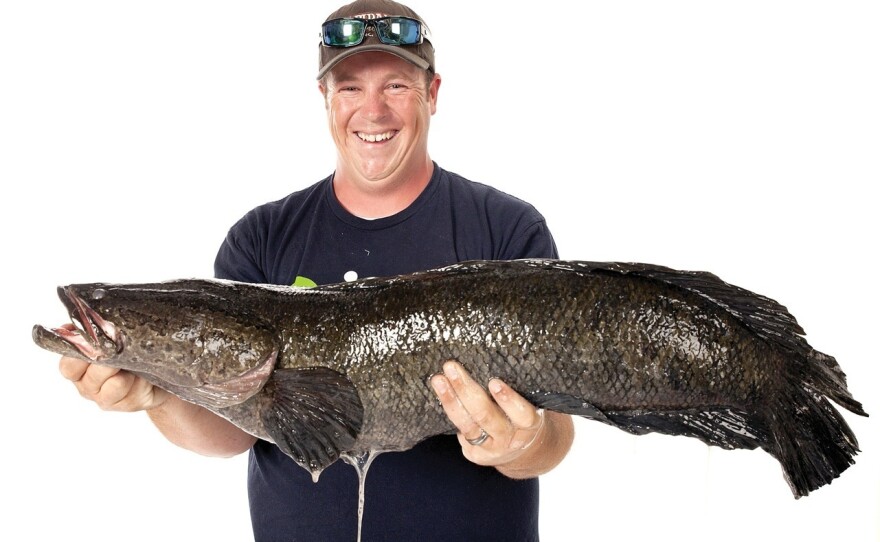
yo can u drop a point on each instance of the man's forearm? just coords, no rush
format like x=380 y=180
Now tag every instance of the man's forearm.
x=199 y=430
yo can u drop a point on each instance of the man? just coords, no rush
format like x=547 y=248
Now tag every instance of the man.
x=387 y=209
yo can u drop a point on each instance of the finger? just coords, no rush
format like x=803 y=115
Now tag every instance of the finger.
x=72 y=369
x=519 y=410
x=481 y=409
x=114 y=392
x=94 y=379
x=454 y=409
x=127 y=392
x=526 y=419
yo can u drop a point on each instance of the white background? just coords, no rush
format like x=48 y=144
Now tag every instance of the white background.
x=740 y=138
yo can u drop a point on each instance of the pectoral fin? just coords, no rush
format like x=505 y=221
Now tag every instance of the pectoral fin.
x=313 y=414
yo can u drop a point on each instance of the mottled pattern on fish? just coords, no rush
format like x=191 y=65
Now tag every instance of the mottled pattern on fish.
x=344 y=368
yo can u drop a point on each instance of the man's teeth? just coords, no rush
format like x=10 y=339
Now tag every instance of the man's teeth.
x=372 y=138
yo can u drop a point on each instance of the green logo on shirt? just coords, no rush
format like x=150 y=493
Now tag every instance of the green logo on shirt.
x=303 y=282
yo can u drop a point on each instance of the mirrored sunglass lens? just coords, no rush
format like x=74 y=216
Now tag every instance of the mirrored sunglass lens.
x=398 y=30
x=343 y=32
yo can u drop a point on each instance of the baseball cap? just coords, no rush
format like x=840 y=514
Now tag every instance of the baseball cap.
x=420 y=54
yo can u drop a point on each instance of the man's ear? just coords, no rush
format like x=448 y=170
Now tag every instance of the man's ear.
x=433 y=91
x=322 y=88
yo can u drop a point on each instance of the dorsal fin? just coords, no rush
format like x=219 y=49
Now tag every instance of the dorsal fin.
x=763 y=316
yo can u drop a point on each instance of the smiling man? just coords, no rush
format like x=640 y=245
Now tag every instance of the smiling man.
x=387 y=209
x=379 y=107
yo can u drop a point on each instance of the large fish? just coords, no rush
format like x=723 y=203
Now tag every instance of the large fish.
x=343 y=369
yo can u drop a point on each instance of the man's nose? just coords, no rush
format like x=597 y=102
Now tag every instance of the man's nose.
x=375 y=105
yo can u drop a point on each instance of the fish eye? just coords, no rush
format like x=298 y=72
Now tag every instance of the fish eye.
x=99 y=293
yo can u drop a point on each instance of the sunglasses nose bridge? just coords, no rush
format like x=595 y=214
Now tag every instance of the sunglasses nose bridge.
x=371 y=30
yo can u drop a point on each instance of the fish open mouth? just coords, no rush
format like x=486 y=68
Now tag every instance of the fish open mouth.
x=94 y=339
x=91 y=336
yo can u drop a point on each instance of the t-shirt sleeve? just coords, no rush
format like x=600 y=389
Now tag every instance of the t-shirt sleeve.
x=521 y=230
x=509 y=227
x=237 y=258
x=535 y=241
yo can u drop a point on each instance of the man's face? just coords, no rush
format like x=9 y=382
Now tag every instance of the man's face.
x=379 y=108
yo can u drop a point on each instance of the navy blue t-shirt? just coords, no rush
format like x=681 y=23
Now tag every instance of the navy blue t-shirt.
x=430 y=492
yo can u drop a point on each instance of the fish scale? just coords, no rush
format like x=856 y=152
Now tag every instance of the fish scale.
x=342 y=369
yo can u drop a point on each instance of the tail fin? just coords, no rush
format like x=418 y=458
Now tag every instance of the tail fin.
x=824 y=376
x=795 y=422
x=804 y=431
x=810 y=438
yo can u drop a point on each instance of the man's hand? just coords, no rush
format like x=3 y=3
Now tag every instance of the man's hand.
x=498 y=427
x=109 y=388
x=185 y=424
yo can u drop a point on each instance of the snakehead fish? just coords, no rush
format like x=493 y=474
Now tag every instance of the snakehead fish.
x=343 y=369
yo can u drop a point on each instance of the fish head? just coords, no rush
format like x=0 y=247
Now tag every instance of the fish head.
x=198 y=339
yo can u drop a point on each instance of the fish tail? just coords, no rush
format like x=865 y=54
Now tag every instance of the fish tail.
x=825 y=376
x=810 y=438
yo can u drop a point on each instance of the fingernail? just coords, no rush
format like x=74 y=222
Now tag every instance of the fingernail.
x=439 y=384
x=451 y=370
x=495 y=386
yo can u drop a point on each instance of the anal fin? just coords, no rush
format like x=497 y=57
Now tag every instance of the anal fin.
x=566 y=404
x=313 y=414
x=718 y=426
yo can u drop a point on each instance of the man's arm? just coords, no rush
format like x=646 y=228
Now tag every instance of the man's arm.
x=185 y=424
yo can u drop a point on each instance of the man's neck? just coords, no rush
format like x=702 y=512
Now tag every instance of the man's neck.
x=369 y=200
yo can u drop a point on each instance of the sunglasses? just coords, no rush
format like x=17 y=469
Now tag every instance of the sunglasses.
x=389 y=30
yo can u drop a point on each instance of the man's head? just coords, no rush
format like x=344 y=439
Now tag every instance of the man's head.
x=374 y=25
x=379 y=98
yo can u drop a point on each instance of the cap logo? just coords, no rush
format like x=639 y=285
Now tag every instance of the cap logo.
x=369 y=16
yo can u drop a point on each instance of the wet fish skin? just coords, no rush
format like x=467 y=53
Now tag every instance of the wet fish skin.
x=343 y=368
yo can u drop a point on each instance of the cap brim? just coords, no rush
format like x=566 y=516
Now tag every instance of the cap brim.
x=396 y=50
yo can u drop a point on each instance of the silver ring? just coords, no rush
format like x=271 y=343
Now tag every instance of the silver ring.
x=478 y=440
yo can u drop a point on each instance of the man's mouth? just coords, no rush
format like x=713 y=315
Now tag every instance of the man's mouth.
x=376 y=138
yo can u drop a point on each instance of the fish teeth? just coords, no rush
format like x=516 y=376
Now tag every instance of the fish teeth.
x=93 y=329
